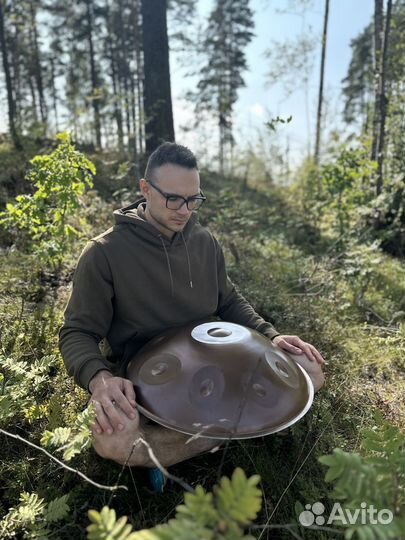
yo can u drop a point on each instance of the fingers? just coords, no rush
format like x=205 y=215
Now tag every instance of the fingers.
x=114 y=402
x=122 y=402
x=129 y=392
x=96 y=427
x=288 y=345
x=295 y=350
x=296 y=345
x=102 y=423
x=318 y=357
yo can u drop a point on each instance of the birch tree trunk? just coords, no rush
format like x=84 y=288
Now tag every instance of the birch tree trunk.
x=321 y=79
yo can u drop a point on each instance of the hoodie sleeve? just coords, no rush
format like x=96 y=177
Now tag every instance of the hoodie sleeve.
x=88 y=316
x=233 y=307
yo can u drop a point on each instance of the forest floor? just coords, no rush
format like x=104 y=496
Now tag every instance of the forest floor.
x=348 y=300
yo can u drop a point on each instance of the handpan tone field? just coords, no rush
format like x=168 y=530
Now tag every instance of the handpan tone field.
x=220 y=380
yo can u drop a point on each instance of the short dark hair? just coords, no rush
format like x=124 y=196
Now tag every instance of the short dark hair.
x=173 y=153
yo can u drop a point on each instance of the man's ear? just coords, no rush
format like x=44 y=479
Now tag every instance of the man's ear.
x=144 y=187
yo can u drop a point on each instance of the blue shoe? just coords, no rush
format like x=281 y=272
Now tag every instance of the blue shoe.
x=157 y=480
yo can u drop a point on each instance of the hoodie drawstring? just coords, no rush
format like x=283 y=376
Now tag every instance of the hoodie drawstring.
x=188 y=261
x=168 y=264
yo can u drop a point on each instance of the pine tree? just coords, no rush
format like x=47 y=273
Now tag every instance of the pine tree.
x=229 y=31
x=357 y=85
x=364 y=102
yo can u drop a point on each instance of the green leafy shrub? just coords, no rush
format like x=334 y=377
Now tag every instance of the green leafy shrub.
x=20 y=387
x=224 y=514
x=46 y=216
x=347 y=182
x=375 y=478
x=33 y=517
x=72 y=440
x=386 y=216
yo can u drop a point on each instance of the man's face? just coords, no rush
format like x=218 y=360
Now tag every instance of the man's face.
x=173 y=180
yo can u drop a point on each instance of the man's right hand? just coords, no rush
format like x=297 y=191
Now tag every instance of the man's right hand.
x=109 y=394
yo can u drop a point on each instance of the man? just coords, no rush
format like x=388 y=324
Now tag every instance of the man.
x=156 y=268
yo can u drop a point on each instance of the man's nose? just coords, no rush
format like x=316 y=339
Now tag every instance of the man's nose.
x=183 y=209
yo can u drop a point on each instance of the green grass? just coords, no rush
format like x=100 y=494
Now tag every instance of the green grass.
x=346 y=301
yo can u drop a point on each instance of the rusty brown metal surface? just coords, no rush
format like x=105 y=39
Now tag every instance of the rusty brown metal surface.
x=219 y=380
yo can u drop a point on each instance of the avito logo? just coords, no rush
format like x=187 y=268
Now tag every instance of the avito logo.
x=365 y=515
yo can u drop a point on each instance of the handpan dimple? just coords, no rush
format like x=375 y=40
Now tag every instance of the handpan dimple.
x=160 y=369
x=206 y=387
x=285 y=368
x=219 y=380
x=260 y=390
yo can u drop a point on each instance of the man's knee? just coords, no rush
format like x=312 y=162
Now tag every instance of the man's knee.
x=318 y=378
x=314 y=370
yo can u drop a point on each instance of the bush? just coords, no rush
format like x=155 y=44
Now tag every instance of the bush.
x=46 y=217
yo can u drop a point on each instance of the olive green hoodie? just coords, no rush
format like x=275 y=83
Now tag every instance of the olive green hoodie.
x=132 y=283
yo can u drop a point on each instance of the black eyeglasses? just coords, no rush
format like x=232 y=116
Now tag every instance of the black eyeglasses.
x=175 y=202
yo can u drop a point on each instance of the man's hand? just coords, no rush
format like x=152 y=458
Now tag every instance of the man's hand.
x=295 y=345
x=109 y=393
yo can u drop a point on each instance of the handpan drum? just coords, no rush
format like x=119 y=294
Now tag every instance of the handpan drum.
x=219 y=380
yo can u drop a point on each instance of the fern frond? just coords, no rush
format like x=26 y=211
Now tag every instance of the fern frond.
x=57 y=509
x=57 y=437
x=198 y=506
x=239 y=499
x=376 y=478
x=105 y=526
x=201 y=517
x=30 y=507
x=378 y=531
x=72 y=441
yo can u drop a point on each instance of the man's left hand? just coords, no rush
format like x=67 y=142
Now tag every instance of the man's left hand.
x=295 y=345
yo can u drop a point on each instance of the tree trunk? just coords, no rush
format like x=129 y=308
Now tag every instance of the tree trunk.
x=140 y=132
x=321 y=79
x=383 y=104
x=37 y=65
x=54 y=93
x=156 y=93
x=9 y=86
x=113 y=74
x=133 y=146
x=94 y=78
x=378 y=41
x=221 y=157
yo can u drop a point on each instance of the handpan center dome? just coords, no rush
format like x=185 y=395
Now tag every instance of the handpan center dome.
x=220 y=380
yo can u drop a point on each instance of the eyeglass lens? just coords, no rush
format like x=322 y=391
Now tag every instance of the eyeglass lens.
x=175 y=203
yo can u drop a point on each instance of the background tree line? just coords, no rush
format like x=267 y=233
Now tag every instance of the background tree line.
x=101 y=67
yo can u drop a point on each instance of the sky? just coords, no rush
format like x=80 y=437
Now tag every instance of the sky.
x=259 y=102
